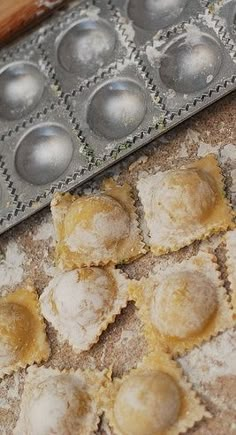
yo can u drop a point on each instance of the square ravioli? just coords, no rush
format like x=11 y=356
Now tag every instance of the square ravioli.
x=96 y=229
x=81 y=303
x=55 y=402
x=152 y=399
x=230 y=239
x=183 y=305
x=183 y=205
x=23 y=339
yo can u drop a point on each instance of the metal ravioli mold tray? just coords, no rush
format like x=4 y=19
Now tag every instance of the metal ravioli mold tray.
x=99 y=80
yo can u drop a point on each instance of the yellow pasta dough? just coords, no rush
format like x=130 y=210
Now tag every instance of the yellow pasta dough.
x=81 y=303
x=96 y=229
x=184 y=205
x=61 y=403
x=230 y=239
x=152 y=399
x=22 y=331
x=183 y=305
x=160 y=407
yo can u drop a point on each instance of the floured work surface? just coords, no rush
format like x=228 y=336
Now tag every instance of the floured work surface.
x=28 y=251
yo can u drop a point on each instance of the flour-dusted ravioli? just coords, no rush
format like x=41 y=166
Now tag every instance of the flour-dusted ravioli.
x=23 y=339
x=81 y=303
x=96 y=229
x=152 y=399
x=230 y=239
x=61 y=403
x=184 y=205
x=183 y=305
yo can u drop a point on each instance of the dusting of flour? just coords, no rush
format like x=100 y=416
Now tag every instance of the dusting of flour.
x=11 y=267
x=214 y=359
x=45 y=231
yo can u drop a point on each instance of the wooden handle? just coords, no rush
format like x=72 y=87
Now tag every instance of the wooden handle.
x=15 y=15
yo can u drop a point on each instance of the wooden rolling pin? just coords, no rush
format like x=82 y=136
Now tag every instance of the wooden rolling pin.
x=16 y=15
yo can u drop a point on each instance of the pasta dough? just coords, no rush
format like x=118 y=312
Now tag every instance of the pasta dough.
x=96 y=229
x=22 y=331
x=183 y=305
x=59 y=403
x=184 y=205
x=81 y=303
x=152 y=399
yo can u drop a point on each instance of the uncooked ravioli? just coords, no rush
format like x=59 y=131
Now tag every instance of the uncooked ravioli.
x=22 y=331
x=96 y=223
x=186 y=196
x=151 y=399
x=61 y=403
x=147 y=403
x=95 y=230
x=183 y=205
x=182 y=305
x=81 y=303
x=17 y=330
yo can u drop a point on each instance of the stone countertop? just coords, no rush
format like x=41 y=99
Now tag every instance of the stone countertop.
x=27 y=253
